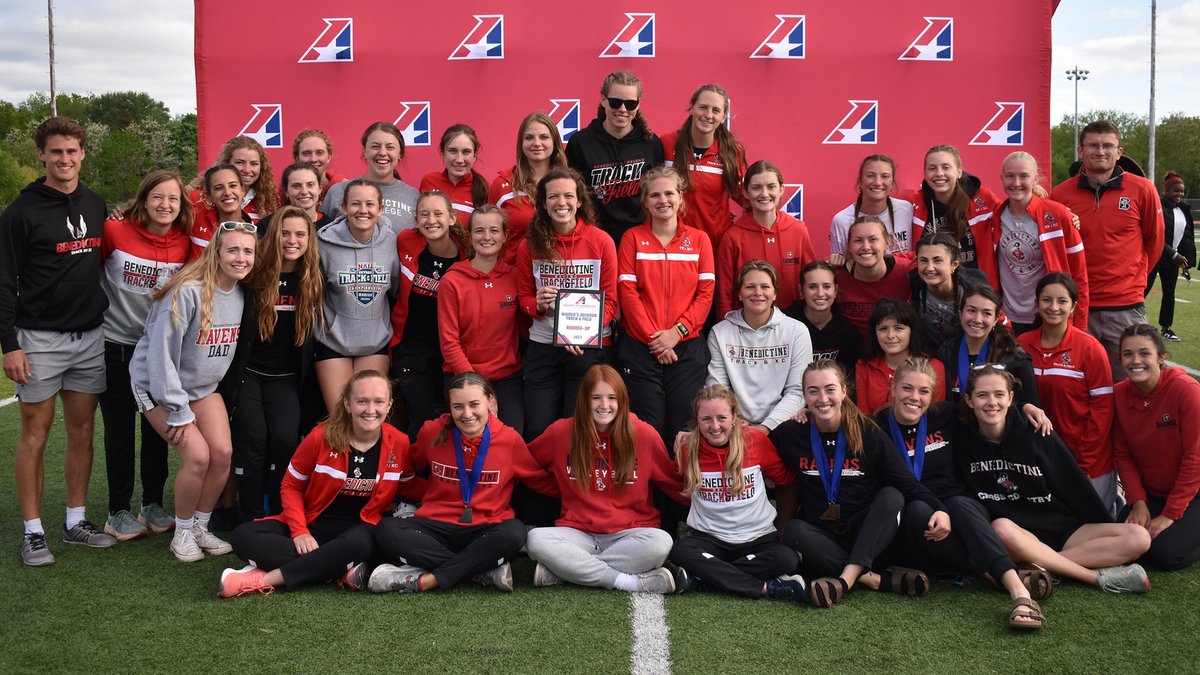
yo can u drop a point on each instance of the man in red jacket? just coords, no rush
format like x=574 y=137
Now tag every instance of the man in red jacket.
x=1121 y=224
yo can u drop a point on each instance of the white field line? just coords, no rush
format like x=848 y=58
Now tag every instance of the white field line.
x=1186 y=302
x=651 y=652
x=8 y=401
x=1190 y=371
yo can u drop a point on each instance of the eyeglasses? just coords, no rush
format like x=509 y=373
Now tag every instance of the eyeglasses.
x=234 y=225
x=630 y=104
x=1106 y=147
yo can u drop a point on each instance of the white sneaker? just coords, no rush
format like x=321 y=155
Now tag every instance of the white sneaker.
x=498 y=577
x=211 y=543
x=395 y=579
x=656 y=581
x=184 y=546
x=542 y=577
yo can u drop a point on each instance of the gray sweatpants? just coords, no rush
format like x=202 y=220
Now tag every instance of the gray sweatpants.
x=587 y=559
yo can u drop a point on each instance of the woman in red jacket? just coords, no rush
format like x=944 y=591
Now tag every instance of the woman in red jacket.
x=478 y=319
x=539 y=149
x=563 y=249
x=464 y=527
x=893 y=336
x=665 y=284
x=604 y=460
x=338 y=485
x=249 y=159
x=1157 y=449
x=1034 y=236
x=426 y=253
x=466 y=187
x=1074 y=382
x=712 y=161
x=763 y=232
x=954 y=200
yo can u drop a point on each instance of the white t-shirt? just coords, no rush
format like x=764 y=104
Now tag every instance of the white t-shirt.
x=900 y=240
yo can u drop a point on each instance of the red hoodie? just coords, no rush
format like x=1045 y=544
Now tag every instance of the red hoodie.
x=317 y=473
x=587 y=260
x=873 y=383
x=785 y=245
x=1062 y=249
x=478 y=320
x=660 y=286
x=507 y=461
x=707 y=202
x=460 y=195
x=1074 y=382
x=410 y=244
x=519 y=208
x=606 y=508
x=1156 y=442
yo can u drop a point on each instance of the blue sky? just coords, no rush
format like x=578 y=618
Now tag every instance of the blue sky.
x=115 y=45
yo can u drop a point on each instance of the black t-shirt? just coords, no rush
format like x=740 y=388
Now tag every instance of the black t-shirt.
x=838 y=340
x=280 y=355
x=939 y=473
x=361 y=472
x=420 y=347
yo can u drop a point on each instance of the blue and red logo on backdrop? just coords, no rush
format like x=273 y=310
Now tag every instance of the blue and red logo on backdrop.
x=793 y=200
x=334 y=44
x=785 y=42
x=485 y=41
x=1007 y=126
x=265 y=125
x=859 y=126
x=565 y=114
x=635 y=40
x=413 y=122
x=935 y=43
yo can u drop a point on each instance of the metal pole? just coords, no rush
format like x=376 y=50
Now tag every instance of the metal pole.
x=1075 y=75
x=1153 y=44
x=53 y=93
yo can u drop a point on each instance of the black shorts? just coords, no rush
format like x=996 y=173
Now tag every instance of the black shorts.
x=1057 y=539
x=322 y=352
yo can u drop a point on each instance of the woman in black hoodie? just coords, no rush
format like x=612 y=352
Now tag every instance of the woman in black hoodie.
x=1042 y=505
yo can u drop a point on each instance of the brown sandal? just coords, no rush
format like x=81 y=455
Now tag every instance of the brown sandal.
x=827 y=591
x=1038 y=582
x=905 y=581
x=1026 y=615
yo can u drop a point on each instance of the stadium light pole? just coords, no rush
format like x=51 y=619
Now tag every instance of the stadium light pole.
x=1075 y=75
x=1153 y=40
x=50 y=20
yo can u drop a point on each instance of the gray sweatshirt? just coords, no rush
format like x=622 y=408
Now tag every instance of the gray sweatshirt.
x=361 y=282
x=764 y=367
x=170 y=361
x=399 y=203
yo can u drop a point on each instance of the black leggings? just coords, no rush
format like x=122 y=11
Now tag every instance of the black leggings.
x=451 y=552
x=823 y=552
x=120 y=414
x=552 y=378
x=659 y=395
x=739 y=569
x=266 y=430
x=972 y=546
x=1178 y=546
x=268 y=544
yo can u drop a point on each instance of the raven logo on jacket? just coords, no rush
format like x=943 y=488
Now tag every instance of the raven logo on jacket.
x=77 y=231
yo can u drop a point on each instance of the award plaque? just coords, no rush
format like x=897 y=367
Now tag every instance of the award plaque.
x=579 y=319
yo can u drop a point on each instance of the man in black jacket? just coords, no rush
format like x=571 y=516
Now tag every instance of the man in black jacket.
x=1179 y=250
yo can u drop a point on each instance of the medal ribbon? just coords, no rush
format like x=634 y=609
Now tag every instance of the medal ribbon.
x=965 y=363
x=467 y=482
x=830 y=479
x=916 y=463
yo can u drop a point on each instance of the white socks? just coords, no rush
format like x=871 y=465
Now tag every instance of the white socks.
x=74 y=515
x=34 y=526
x=626 y=582
x=184 y=523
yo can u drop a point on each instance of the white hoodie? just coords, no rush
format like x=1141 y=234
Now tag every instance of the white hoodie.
x=764 y=366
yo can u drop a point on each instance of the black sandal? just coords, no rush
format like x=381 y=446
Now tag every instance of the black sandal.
x=904 y=581
x=827 y=591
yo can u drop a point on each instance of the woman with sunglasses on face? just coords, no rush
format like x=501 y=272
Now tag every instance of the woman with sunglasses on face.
x=1158 y=450
x=620 y=142
x=466 y=187
x=382 y=151
x=188 y=345
x=711 y=162
x=922 y=433
x=603 y=460
x=1042 y=506
x=539 y=149
x=876 y=183
x=274 y=357
x=953 y=200
x=1074 y=382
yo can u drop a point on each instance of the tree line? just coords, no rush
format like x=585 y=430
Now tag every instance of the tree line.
x=131 y=133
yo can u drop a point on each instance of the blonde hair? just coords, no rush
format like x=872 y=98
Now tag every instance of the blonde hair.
x=689 y=461
x=853 y=419
x=203 y=270
x=339 y=425
x=1022 y=156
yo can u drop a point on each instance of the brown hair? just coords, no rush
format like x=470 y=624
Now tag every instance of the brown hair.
x=264 y=278
x=462 y=381
x=1001 y=341
x=457 y=235
x=853 y=419
x=582 y=457
x=627 y=78
x=484 y=210
x=310 y=133
x=137 y=208
x=287 y=175
x=689 y=461
x=729 y=148
x=1099 y=127
x=541 y=232
x=60 y=126
x=956 y=207
x=479 y=185
x=339 y=425
x=523 y=184
x=266 y=199
x=858 y=201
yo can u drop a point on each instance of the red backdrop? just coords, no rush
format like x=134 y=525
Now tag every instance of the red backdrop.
x=814 y=86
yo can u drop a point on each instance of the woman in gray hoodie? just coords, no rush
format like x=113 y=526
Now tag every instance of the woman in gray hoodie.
x=361 y=266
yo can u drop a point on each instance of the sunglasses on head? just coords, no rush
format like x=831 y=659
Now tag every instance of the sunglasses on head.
x=234 y=225
x=981 y=366
x=630 y=104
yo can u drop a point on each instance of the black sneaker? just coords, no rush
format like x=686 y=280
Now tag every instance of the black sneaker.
x=789 y=587
x=1170 y=336
x=683 y=582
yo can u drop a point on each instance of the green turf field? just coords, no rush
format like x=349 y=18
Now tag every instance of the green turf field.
x=134 y=609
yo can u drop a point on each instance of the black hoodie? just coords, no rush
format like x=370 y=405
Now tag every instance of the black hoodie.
x=612 y=168
x=50 y=262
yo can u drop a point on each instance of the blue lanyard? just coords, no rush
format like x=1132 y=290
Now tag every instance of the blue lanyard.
x=467 y=482
x=965 y=363
x=831 y=479
x=916 y=463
